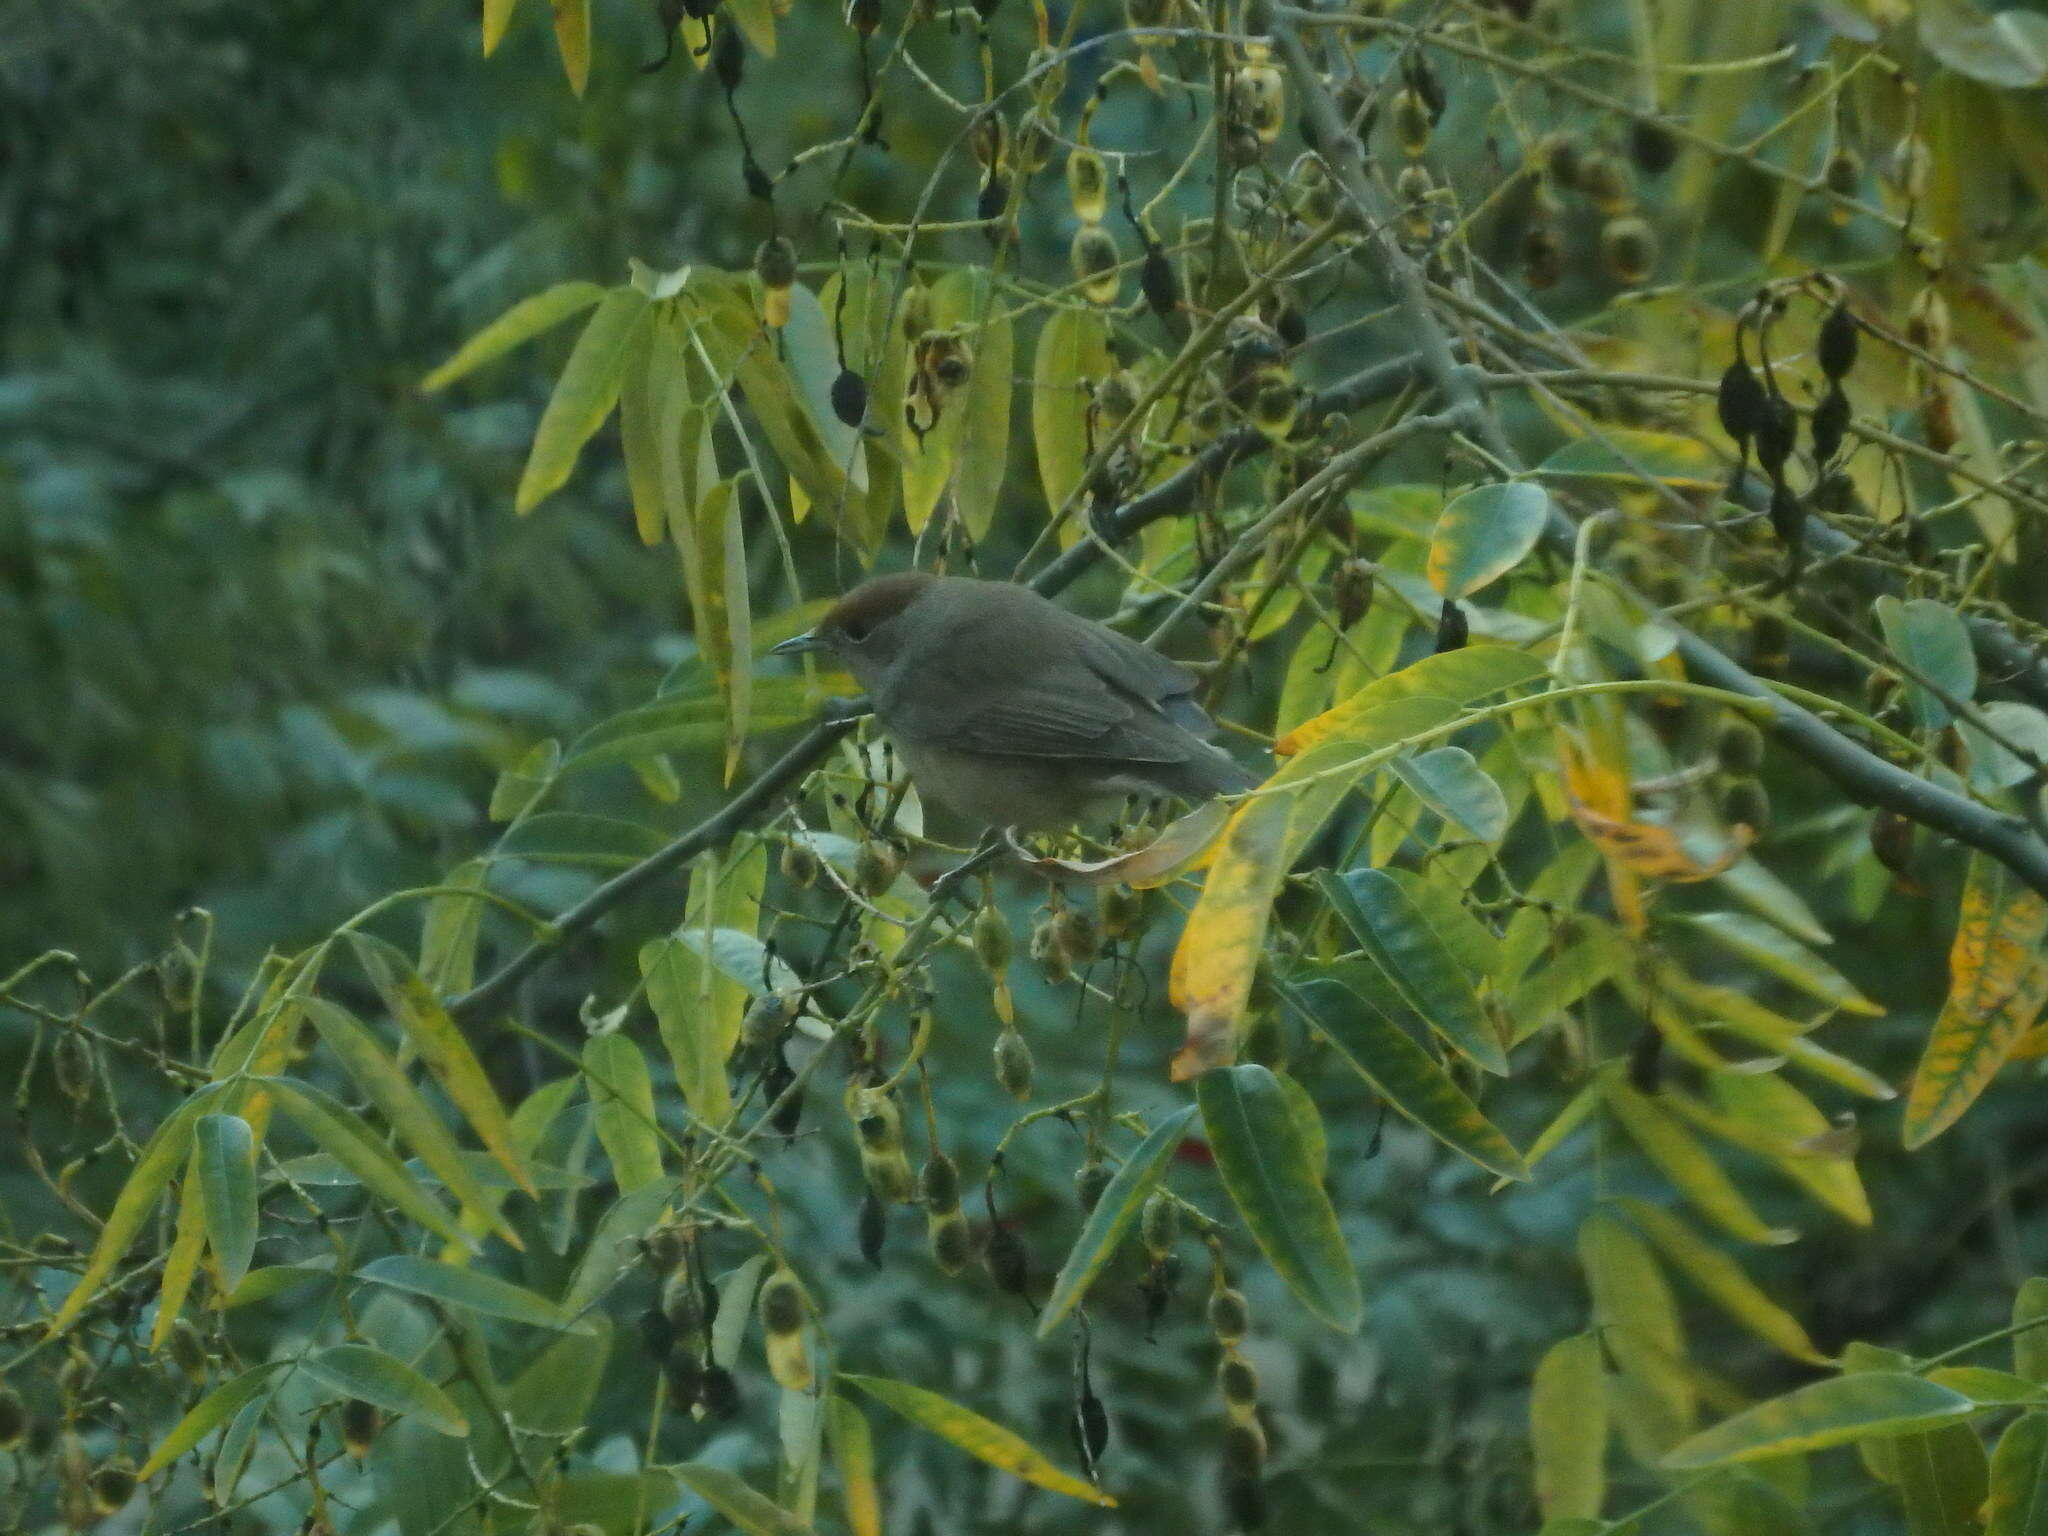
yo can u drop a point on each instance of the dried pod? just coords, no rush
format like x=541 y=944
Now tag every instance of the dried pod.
x=1008 y=1264
x=1788 y=516
x=1091 y=1425
x=1087 y=185
x=1830 y=424
x=1938 y=422
x=1244 y=1447
x=728 y=56
x=1604 y=178
x=1051 y=956
x=1013 y=1064
x=1157 y=282
x=721 y=1393
x=360 y=1422
x=1542 y=255
x=1559 y=156
x=775 y=268
x=1411 y=121
x=1835 y=347
x=1238 y=1380
x=1891 y=840
x=871 y=1228
x=1413 y=188
x=1351 y=590
x=1258 y=100
x=951 y=1242
x=1230 y=1316
x=112 y=1485
x=777 y=1078
x=1739 y=746
x=938 y=1184
x=1275 y=403
x=992 y=939
x=990 y=141
x=875 y=867
x=1741 y=402
x=1834 y=493
x=1123 y=912
x=1927 y=322
x=1031 y=149
x=799 y=860
x=1090 y=1180
x=1452 y=629
x=1097 y=264
x=1776 y=434
x=1651 y=146
x=1745 y=803
x=1314 y=197
x=13 y=1418
x=1628 y=249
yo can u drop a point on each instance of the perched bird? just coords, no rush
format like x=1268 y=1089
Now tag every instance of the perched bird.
x=1013 y=712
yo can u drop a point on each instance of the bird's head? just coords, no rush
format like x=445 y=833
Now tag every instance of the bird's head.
x=861 y=629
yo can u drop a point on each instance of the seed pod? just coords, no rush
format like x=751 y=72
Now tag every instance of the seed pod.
x=799 y=860
x=1739 y=746
x=1051 y=956
x=1788 y=516
x=13 y=1418
x=657 y=1333
x=721 y=1393
x=112 y=1484
x=1411 y=121
x=775 y=267
x=1230 y=1316
x=938 y=1184
x=914 y=312
x=871 y=1228
x=682 y=1303
x=1927 y=322
x=1096 y=264
x=1938 y=422
x=1769 y=646
x=1031 y=147
x=875 y=867
x=1087 y=185
x=1090 y=1180
x=951 y=1242
x=1835 y=492
x=1244 y=1447
x=728 y=56
x=1275 y=403
x=1452 y=629
x=1157 y=282
x=1413 y=187
x=1258 y=98
x=683 y=1370
x=1091 y=1426
x=1238 y=1380
x=1123 y=912
x=1159 y=1224
x=1078 y=934
x=1628 y=249
x=188 y=1350
x=1652 y=147
x=864 y=16
x=1604 y=179
x=1561 y=155
x=781 y=1305
x=1244 y=1498
x=1843 y=176
x=1542 y=255
x=992 y=939
x=71 y=1063
x=1911 y=164
x=1115 y=398
x=1351 y=590
x=1013 y=1064
x=360 y=1422
x=776 y=1079
x=990 y=141
x=767 y=1016
x=1008 y=1264
x=1830 y=423
x=1745 y=803
x=1891 y=840
x=1776 y=434
x=1315 y=199
x=1741 y=402
x=1835 y=347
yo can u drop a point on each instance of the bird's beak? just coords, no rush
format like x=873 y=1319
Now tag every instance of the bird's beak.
x=796 y=645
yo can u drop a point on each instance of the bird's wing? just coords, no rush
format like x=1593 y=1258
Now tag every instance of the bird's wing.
x=1015 y=708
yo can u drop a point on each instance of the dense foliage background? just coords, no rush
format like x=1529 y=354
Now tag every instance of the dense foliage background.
x=276 y=647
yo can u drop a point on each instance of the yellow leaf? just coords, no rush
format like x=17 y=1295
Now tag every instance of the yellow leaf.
x=181 y=1264
x=497 y=16
x=572 y=38
x=1219 y=948
x=1568 y=1429
x=978 y=1437
x=1681 y=1159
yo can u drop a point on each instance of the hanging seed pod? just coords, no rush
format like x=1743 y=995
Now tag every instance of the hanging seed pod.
x=1013 y=1064
x=1097 y=264
x=1123 y=913
x=767 y=1018
x=1628 y=250
x=914 y=312
x=1604 y=179
x=871 y=1229
x=1938 y=419
x=13 y=1418
x=1834 y=493
x=992 y=939
x=1090 y=1180
x=1047 y=951
x=1413 y=187
x=1258 y=98
x=1745 y=803
x=864 y=16
x=1891 y=840
x=657 y=1334
x=1159 y=1224
x=683 y=1371
x=1008 y=1264
x=1244 y=1448
x=1770 y=646
x=188 y=1352
x=1835 y=347
x=1560 y=155
x=1741 y=402
x=1646 y=1060
x=1652 y=146
x=1031 y=148
x=1776 y=434
x=775 y=268
x=1290 y=325
x=1739 y=746
x=1275 y=402
x=799 y=860
x=1244 y=1498
x=1542 y=255
x=1238 y=1380
x=777 y=1078
x=875 y=867
x=1351 y=590
x=1411 y=122
x=1927 y=322
x=993 y=199
x=938 y=1184
x=1115 y=398
x=882 y=1161
x=360 y=1422
x=721 y=1393
x=1843 y=176
x=1091 y=1426
x=782 y=1312
x=1452 y=630
x=1078 y=934
x=728 y=56
x=1910 y=166
x=112 y=1485
x=1087 y=185
x=1830 y=424
x=682 y=1303
x=1230 y=1316
x=71 y=1064
x=1314 y=198
x=951 y=1242
x=990 y=141
x=1157 y=282
x=1788 y=516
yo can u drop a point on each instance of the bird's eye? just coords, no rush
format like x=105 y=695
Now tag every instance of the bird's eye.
x=854 y=632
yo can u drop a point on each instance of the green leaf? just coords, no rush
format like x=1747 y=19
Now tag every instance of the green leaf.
x=1942 y=1477
x=1930 y=639
x=448 y=932
x=676 y=980
x=276 y=1279
x=1112 y=1217
x=526 y=781
x=735 y=1306
x=1568 y=1428
x=624 y=1098
x=2017 y=1504
x=1073 y=354
x=610 y=1247
x=1770 y=948
x=753 y=1513
x=980 y=1438
x=361 y=1370
x=160 y=1157
x=813 y=363
x=853 y=1454
x=1839 y=1411
x=553 y=1395
x=2030 y=1315
x=1993 y=1389
x=1347 y=1007
x=1766 y=1103
x=1681 y=1158
x=344 y=1136
x=1722 y=1280
x=1636 y=1317
x=470 y=1290
x=1484 y=534
x=1399 y=940
x=1450 y=782
x=1631 y=455
x=226 y=1151
x=1265 y=1165
x=585 y=393
x=208 y=1414
x=521 y=323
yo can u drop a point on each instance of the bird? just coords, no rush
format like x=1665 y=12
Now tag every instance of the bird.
x=1013 y=713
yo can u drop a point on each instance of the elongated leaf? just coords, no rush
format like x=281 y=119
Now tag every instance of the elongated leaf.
x=1073 y=354
x=181 y=1264
x=1929 y=637
x=1568 y=1429
x=208 y=1414
x=984 y=451
x=1688 y=1165
x=1843 y=1409
x=1211 y=977
x=1265 y=1166
x=2018 y=1499
x=519 y=786
x=735 y=1305
x=1462 y=677
x=159 y=1159
x=753 y=1513
x=1345 y=1009
x=470 y=1290
x=1114 y=1212
x=610 y=1248
x=448 y=932
x=624 y=1097
x=980 y=1438
x=410 y=1115
x=343 y=1136
x=672 y=974
x=1767 y=1103
x=1998 y=982
x=1769 y=947
x=1450 y=782
x=1399 y=940
x=1484 y=534
x=361 y=1370
x=225 y=1153
x=442 y=1046
x=853 y=1454
x=1630 y=455
x=590 y=381
x=1636 y=1317
x=521 y=323
x=1722 y=1280
x=1942 y=1477
x=2030 y=1315
x=572 y=40
x=497 y=16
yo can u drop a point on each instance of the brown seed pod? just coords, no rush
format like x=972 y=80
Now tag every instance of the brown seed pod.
x=1047 y=950
x=1628 y=250
x=1087 y=185
x=360 y=1422
x=683 y=1371
x=1097 y=264
x=938 y=1184
x=1123 y=912
x=799 y=861
x=1559 y=156
x=1604 y=178
x=1157 y=282
x=1411 y=122
x=112 y=1485
x=1542 y=255
x=1652 y=146
x=1927 y=322
x=782 y=1305
x=951 y=1242
x=875 y=867
x=1229 y=1316
x=1077 y=932
x=1013 y=1064
x=775 y=268
x=1090 y=1180
x=1740 y=746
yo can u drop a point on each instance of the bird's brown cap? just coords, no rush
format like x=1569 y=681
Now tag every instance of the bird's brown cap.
x=875 y=602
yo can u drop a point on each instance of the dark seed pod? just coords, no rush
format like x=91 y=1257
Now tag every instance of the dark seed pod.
x=1238 y=1380
x=1741 y=402
x=782 y=1303
x=683 y=1370
x=775 y=263
x=850 y=405
x=1739 y=746
x=1411 y=121
x=1091 y=1426
x=799 y=860
x=657 y=1333
x=13 y=1418
x=1835 y=348
x=1560 y=155
x=1087 y=185
x=1096 y=262
x=1452 y=629
x=864 y=16
x=875 y=867
x=777 y=1078
x=1351 y=590
x=1008 y=1264
x=872 y=1228
x=1628 y=250
x=1646 y=1060
x=994 y=198
x=1776 y=435
x=1090 y=1180
x=1156 y=280
x=1230 y=1317
x=1835 y=493
x=1788 y=516
x=1542 y=255
x=1747 y=804
x=1159 y=1224
x=1047 y=951
x=1244 y=1498
x=1843 y=174
x=360 y=1422
x=1604 y=178
x=1013 y=1064
x=766 y=1018
x=1652 y=147
x=112 y=1484
x=681 y=1302
x=728 y=56
x=951 y=1243
x=759 y=186
x=1891 y=840
x=1244 y=1448
x=721 y=1393
x=938 y=1184
x=1830 y=424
